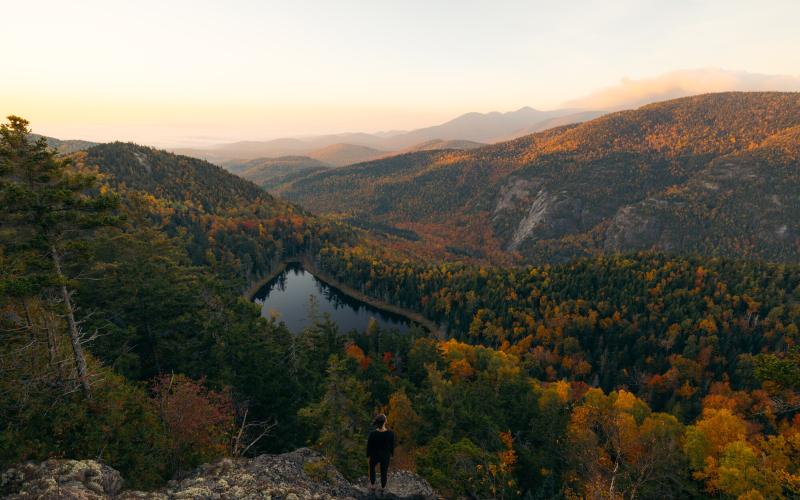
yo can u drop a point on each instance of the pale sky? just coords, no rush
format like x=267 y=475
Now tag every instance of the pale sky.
x=172 y=72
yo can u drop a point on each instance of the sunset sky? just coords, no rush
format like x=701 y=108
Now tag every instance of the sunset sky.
x=194 y=72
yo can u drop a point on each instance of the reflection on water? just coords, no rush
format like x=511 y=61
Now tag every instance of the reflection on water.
x=295 y=296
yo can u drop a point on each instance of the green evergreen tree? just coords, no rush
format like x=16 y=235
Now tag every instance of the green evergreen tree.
x=342 y=417
x=47 y=208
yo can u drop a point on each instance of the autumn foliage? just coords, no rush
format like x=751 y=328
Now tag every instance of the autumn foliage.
x=199 y=421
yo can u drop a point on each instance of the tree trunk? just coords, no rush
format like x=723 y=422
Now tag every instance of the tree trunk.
x=52 y=347
x=31 y=331
x=51 y=342
x=74 y=334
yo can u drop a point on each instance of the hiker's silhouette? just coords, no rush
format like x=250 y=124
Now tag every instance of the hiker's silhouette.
x=380 y=448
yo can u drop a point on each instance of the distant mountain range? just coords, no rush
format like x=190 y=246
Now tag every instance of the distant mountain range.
x=344 y=149
x=497 y=127
x=717 y=174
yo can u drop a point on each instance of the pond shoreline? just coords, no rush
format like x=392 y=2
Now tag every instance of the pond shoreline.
x=309 y=266
x=253 y=289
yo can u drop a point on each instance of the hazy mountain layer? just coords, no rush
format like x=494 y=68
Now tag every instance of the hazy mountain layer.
x=474 y=127
x=270 y=172
x=437 y=144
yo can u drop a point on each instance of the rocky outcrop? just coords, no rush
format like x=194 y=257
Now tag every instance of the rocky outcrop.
x=301 y=474
x=537 y=216
x=402 y=484
x=69 y=479
x=537 y=213
x=632 y=229
x=515 y=192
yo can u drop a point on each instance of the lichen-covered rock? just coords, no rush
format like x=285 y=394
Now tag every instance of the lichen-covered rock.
x=299 y=475
x=69 y=479
x=303 y=473
x=402 y=484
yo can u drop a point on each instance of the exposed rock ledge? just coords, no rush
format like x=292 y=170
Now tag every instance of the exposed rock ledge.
x=297 y=475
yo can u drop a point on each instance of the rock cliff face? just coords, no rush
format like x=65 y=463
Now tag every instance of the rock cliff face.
x=301 y=474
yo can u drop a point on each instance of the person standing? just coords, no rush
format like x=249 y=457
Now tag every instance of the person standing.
x=380 y=448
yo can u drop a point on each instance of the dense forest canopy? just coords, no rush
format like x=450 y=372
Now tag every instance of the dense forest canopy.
x=636 y=375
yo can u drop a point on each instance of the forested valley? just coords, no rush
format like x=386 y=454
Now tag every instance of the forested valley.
x=124 y=336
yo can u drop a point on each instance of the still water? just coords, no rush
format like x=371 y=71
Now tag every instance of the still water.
x=295 y=296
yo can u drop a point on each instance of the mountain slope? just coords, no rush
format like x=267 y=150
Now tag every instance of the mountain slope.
x=744 y=203
x=175 y=177
x=566 y=191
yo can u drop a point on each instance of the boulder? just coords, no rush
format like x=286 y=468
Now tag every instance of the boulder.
x=68 y=479
x=401 y=484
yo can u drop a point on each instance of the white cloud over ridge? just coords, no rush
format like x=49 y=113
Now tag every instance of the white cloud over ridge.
x=632 y=93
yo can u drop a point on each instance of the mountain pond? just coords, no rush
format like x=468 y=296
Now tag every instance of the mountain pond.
x=295 y=296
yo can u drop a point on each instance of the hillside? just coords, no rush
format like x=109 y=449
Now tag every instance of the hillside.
x=742 y=203
x=718 y=163
x=169 y=176
x=270 y=172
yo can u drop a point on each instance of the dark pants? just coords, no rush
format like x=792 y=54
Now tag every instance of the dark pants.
x=373 y=461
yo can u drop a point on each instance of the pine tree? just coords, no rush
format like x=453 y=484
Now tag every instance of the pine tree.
x=342 y=417
x=47 y=209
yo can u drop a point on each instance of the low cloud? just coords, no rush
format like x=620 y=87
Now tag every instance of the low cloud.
x=633 y=93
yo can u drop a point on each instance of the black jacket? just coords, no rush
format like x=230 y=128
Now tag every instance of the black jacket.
x=380 y=444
